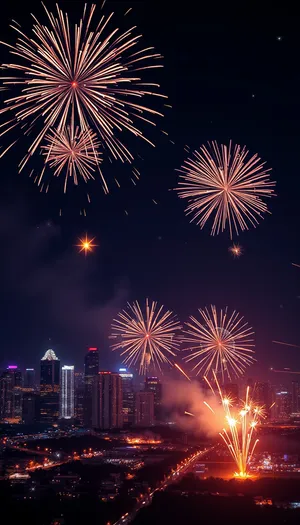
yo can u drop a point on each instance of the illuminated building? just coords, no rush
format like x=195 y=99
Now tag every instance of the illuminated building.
x=30 y=407
x=283 y=404
x=153 y=384
x=91 y=369
x=295 y=397
x=49 y=387
x=11 y=394
x=262 y=395
x=128 y=397
x=144 y=409
x=79 y=397
x=29 y=378
x=67 y=399
x=107 y=401
x=231 y=390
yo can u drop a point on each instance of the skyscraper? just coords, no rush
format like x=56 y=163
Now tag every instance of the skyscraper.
x=295 y=397
x=262 y=395
x=154 y=385
x=79 y=397
x=29 y=378
x=30 y=407
x=283 y=404
x=144 y=409
x=107 y=401
x=91 y=369
x=67 y=398
x=49 y=387
x=128 y=397
x=11 y=394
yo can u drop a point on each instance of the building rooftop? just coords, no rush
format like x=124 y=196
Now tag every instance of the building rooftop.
x=50 y=356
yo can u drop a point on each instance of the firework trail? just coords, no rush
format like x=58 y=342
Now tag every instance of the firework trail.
x=145 y=337
x=182 y=371
x=79 y=76
x=224 y=184
x=285 y=344
x=219 y=343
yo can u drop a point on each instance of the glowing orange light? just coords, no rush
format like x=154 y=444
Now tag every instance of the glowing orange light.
x=86 y=245
x=74 y=84
x=236 y=250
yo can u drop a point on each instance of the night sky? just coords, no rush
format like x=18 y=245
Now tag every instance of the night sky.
x=228 y=75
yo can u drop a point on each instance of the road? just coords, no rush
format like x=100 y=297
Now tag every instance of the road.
x=173 y=477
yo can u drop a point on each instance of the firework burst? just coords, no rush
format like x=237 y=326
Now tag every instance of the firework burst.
x=88 y=75
x=226 y=185
x=238 y=432
x=73 y=152
x=218 y=342
x=145 y=336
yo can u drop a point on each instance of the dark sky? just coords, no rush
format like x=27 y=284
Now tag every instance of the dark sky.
x=228 y=76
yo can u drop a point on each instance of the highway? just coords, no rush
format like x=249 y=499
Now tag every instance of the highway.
x=146 y=499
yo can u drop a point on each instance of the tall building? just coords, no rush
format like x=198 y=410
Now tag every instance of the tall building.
x=79 y=397
x=29 y=378
x=144 y=409
x=262 y=395
x=295 y=397
x=283 y=404
x=49 y=388
x=154 y=385
x=128 y=397
x=107 y=401
x=30 y=412
x=91 y=369
x=67 y=396
x=11 y=394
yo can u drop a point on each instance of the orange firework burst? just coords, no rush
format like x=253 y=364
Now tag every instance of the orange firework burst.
x=240 y=424
x=91 y=76
x=86 y=245
x=236 y=250
x=145 y=337
x=224 y=184
x=219 y=343
x=73 y=151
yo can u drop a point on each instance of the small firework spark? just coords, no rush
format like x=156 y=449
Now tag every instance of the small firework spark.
x=236 y=250
x=218 y=343
x=223 y=184
x=238 y=432
x=75 y=152
x=86 y=245
x=145 y=337
x=89 y=75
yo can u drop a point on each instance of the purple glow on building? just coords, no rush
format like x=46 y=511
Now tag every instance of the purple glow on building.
x=12 y=367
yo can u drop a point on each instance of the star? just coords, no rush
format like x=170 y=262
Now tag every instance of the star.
x=86 y=245
x=279 y=38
